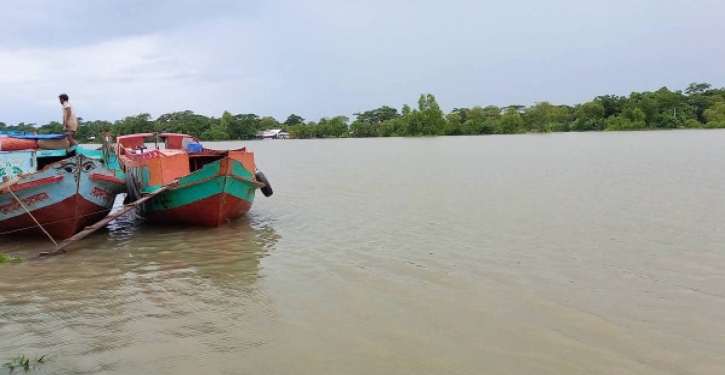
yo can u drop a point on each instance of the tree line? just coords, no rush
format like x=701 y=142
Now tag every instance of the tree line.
x=698 y=106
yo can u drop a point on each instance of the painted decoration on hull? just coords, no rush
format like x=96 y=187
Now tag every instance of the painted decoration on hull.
x=16 y=163
x=219 y=192
x=64 y=197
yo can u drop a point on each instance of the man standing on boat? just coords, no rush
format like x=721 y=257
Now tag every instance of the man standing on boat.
x=70 y=122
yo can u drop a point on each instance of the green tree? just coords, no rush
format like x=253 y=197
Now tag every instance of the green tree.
x=367 y=123
x=715 y=115
x=692 y=124
x=267 y=123
x=378 y=115
x=219 y=131
x=186 y=122
x=293 y=119
x=697 y=88
x=337 y=127
x=134 y=124
x=361 y=129
x=94 y=129
x=215 y=133
x=700 y=97
x=699 y=105
x=589 y=116
x=632 y=119
x=545 y=116
x=301 y=130
x=243 y=126
x=454 y=125
x=54 y=127
x=492 y=120
x=613 y=104
x=511 y=122
x=427 y=119
x=475 y=121
x=396 y=127
x=672 y=108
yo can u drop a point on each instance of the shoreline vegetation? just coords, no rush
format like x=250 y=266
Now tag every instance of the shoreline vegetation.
x=698 y=106
x=9 y=259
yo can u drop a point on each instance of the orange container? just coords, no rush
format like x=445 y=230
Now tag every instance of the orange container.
x=16 y=144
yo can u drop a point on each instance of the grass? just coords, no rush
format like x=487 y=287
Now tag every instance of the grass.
x=26 y=363
x=8 y=259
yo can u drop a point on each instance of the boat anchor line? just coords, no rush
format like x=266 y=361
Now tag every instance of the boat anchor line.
x=10 y=183
x=54 y=222
x=32 y=216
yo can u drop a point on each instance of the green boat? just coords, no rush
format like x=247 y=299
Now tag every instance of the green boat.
x=204 y=186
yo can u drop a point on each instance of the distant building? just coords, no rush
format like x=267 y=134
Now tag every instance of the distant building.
x=272 y=134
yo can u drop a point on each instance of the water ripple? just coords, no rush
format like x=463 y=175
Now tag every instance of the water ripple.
x=541 y=254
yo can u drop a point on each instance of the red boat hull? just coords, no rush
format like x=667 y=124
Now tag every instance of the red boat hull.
x=212 y=211
x=56 y=219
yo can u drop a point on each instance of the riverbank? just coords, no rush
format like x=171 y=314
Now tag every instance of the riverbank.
x=698 y=106
x=9 y=259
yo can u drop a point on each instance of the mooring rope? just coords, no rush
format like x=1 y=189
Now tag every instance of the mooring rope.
x=54 y=222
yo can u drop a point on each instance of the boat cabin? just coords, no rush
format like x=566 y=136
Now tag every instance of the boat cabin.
x=20 y=153
x=161 y=158
x=16 y=163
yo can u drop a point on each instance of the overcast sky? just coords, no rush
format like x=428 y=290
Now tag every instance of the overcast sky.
x=324 y=58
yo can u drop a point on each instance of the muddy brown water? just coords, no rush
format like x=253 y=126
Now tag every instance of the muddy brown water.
x=596 y=253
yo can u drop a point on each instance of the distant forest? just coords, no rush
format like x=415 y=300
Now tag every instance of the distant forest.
x=698 y=106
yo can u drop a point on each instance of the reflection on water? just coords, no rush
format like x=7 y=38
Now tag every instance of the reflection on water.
x=526 y=254
x=136 y=287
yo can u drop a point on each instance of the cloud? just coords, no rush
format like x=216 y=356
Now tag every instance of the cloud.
x=324 y=58
x=124 y=76
x=98 y=74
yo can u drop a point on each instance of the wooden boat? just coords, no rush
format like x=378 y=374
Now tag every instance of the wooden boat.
x=206 y=187
x=64 y=190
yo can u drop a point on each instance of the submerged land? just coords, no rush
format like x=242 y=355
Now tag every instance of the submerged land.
x=698 y=106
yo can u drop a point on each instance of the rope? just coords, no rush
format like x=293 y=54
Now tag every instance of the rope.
x=109 y=151
x=53 y=222
x=31 y=216
x=10 y=183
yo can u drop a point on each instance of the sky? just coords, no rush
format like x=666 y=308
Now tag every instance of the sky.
x=319 y=58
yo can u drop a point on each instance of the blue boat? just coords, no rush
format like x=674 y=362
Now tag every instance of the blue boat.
x=64 y=190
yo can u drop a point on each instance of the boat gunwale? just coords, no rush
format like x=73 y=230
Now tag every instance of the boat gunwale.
x=179 y=185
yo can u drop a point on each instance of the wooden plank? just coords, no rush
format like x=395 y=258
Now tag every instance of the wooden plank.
x=90 y=229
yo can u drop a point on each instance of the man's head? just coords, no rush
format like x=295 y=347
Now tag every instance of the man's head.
x=63 y=98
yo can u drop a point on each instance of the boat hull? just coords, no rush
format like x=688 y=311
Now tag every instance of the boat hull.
x=64 y=197
x=211 y=211
x=219 y=192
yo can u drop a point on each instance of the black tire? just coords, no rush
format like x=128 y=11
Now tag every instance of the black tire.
x=133 y=192
x=267 y=188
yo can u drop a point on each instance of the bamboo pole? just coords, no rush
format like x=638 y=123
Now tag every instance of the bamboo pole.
x=31 y=216
x=90 y=229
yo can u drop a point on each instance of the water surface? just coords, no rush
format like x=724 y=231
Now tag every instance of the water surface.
x=595 y=253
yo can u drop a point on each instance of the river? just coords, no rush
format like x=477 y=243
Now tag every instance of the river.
x=570 y=253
